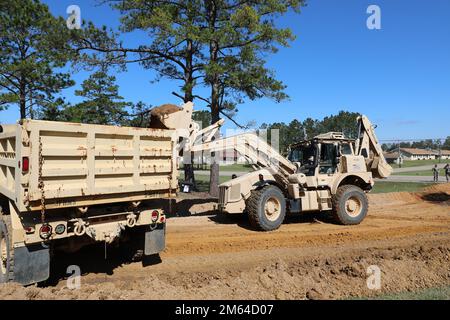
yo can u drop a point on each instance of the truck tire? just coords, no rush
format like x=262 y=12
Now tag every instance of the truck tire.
x=266 y=208
x=6 y=250
x=350 y=205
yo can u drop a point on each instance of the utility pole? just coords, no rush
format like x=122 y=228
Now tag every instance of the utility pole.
x=440 y=152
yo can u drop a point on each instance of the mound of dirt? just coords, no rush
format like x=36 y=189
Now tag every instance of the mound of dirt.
x=393 y=198
x=158 y=112
x=439 y=187
x=165 y=109
x=323 y=276
x=439 y=193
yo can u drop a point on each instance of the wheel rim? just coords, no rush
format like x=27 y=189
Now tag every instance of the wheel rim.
x=3 y=255
x=272 y=208
x=353 y=206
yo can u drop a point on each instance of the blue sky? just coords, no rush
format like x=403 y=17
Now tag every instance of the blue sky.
x=399 y=76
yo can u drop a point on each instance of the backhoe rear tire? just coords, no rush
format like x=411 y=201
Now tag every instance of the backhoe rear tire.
x=350 y=205
x=266 y=208
x=6 y=250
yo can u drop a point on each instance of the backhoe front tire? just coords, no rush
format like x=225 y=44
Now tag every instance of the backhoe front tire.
x=6 y=250
x=266 y=208
x=350 y=205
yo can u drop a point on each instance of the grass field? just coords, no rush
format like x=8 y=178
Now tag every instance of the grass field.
x=424 y=173
x=439 y=293
x=385 y=186
x=417 y=163
x=379 y=187
x=236 y=167
x=203 y=182
x=231 y=167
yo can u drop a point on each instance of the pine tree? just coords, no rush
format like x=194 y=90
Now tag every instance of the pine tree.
x=33 y=45
x=102 y=104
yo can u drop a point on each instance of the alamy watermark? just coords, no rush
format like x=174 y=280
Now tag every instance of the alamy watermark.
x=74 y=19
x=374 y=277
x=373 y=22
x=74 y=280
x=236 y=146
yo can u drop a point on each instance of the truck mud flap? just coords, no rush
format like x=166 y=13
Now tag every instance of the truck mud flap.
x=155 y=240
x=31 y=264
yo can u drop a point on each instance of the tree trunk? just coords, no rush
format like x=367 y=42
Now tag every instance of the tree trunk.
x=189 y=176
x=22 y=99
x=214 y=180
x=214 y=82
x=214 y=170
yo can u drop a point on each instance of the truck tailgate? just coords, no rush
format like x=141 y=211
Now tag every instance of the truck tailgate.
x=82 y=164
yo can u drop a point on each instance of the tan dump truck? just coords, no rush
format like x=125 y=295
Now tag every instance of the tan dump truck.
x=65 y=185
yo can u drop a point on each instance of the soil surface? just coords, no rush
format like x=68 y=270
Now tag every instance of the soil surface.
x=211 y=256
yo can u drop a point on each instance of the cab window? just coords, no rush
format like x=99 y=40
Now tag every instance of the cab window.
x=327 y=163
x=346 y=149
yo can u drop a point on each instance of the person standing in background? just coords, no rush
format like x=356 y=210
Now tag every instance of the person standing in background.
x=435 y=173
x=447 y=172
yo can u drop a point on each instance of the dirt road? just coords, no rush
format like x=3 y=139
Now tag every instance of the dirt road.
x=218 y=257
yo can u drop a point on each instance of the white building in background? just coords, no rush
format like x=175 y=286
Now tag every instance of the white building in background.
x=418 y=154
x=393 y=157
x=444 y=154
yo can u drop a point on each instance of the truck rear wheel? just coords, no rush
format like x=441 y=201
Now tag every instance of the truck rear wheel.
x=6 y=250
x=266 y=208
x=350 y=205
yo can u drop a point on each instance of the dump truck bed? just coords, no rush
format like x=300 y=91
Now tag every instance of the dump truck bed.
x=83 y=165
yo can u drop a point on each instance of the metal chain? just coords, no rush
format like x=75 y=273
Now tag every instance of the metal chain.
x=41 y=181
x=170 y=194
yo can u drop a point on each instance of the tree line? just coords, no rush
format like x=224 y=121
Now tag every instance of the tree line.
x=428 y=144
x=217 y=44
x=296 y=130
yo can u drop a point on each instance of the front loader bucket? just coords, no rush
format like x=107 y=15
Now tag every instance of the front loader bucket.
x=380 y=168
x=169 y=116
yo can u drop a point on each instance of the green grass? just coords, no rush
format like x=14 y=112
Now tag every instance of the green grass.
x=203 y=181
x=231 y=167
x=438 y=293
x=416 y=163
x=379 y=187
x=236 y=167
x=423 y=173
x=387 y=186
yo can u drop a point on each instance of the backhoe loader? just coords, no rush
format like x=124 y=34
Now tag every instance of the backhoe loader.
x=326 y=173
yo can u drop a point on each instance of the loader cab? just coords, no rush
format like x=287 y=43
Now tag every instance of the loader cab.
x=305 y=155
x=320 y=156
x=331 y=152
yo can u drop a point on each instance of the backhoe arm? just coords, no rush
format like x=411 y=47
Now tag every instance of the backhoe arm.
x=254 y=149
x=367 y=145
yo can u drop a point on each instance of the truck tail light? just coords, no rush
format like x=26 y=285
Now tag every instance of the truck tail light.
x=25 y=164
x=155 y=215
x=162 y=219
x=29 y=230
x=45 y=231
